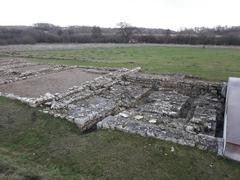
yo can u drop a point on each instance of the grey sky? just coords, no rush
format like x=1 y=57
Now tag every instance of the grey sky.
x=173 y=14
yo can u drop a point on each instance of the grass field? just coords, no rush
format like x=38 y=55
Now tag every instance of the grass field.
x=36 y=145
x=209 y=63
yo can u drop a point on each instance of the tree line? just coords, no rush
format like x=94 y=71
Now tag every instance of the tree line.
x=124 y=33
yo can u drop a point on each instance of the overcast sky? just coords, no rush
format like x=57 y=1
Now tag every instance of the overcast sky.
x=173 y=14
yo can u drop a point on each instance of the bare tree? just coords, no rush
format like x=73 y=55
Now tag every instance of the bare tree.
x=128 y=32
x=167 y=35
x=96 y=32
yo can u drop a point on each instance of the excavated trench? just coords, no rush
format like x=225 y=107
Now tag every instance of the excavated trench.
x=170 y=107
x=188 y=109
x=220 y=120
x=120 y=108
x=187 y=112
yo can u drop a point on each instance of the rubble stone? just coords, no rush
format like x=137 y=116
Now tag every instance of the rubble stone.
x=177 y=108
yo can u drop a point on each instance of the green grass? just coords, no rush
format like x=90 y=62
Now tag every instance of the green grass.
x=209 y=63
x=35 y=145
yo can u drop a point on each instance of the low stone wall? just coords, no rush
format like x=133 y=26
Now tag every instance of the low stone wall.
x=181 y=83
x=200 y=141
x=177 y=108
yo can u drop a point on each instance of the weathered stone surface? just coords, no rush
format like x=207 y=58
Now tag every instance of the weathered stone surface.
x=151 y=130
x=184 y=84
x=172 y=116
x=178 y=108
x=165 y=103
x=87 y=112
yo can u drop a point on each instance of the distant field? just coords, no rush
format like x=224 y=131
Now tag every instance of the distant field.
x=209 y=63
x=35 y=145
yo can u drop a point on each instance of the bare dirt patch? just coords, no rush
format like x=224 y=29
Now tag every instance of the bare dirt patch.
x=52 y=83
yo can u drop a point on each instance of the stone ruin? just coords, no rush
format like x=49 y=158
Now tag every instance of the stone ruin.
x=173 y=107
